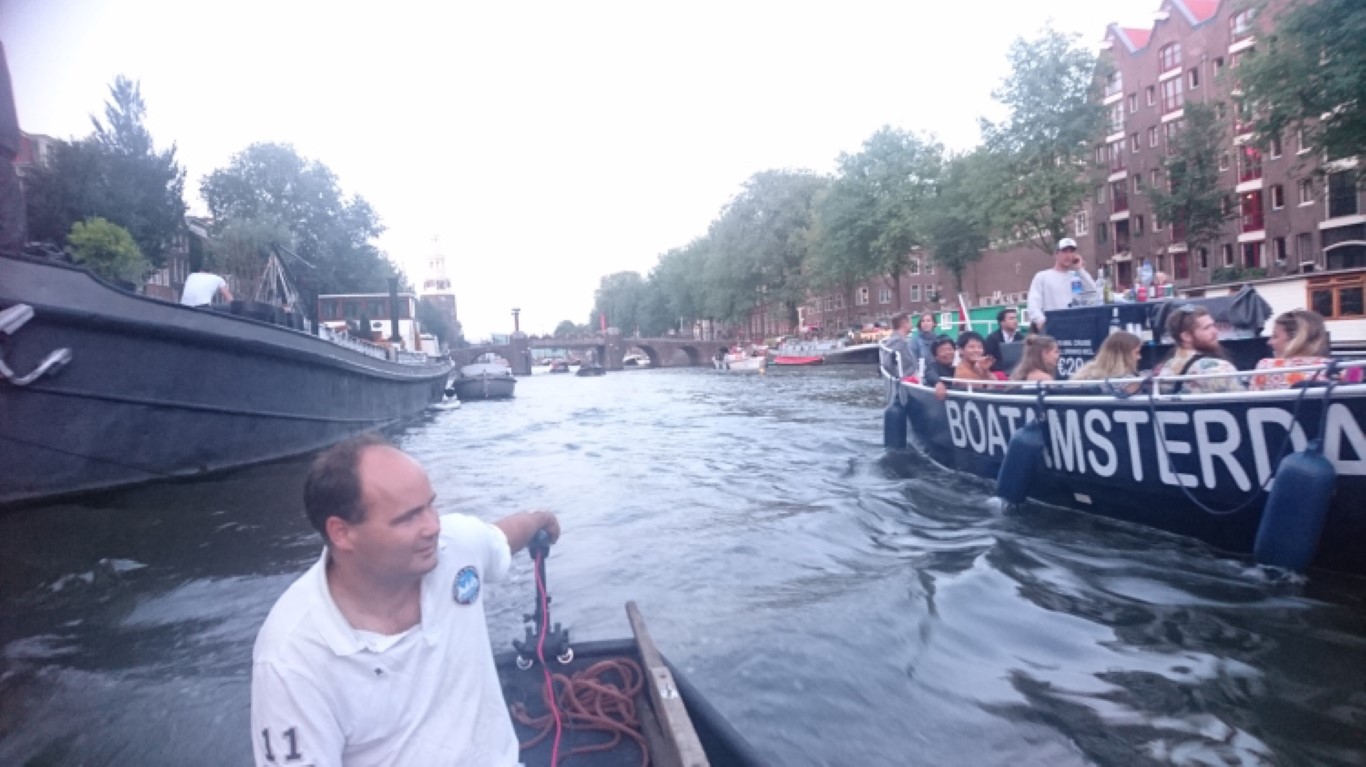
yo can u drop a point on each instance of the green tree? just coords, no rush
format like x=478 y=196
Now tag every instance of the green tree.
x=567 y=329
x=1043 y=146
x=1310 y=74
x=763 y=237
x=272 y=185
x=108 y=250
x=1192 y=199
x=958 y=221
x=874 y=214
x=116 y=174
x=619 y=297
x=435 y=322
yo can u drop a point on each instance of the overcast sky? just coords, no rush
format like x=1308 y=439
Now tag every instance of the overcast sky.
x=544 y=145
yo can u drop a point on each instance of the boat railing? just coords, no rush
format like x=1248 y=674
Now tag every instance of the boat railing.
x=404 y=357
x=401 y=356
x=1020 y=387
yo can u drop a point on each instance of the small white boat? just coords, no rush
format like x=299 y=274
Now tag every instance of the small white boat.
x=488 y=377
x=754 y=359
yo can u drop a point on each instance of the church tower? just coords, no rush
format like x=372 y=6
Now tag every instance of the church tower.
x=436 y=288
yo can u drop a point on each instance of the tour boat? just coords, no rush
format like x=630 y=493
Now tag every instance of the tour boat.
x=744 y=361
x=101 y=387
x=488 y=377
x=1228 y=469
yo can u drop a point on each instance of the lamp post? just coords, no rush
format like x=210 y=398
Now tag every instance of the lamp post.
x=516 y=323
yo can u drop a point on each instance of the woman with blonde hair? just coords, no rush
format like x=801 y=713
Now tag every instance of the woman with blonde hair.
x=1039 y=361
x=1298 y=338
x=1117 y=357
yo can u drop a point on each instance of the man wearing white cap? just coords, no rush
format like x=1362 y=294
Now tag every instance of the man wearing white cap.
x=1052 y=288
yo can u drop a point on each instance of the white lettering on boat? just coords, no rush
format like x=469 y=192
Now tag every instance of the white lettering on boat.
x=1205 y=447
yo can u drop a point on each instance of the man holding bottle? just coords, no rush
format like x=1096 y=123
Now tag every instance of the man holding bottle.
x=1064 y=285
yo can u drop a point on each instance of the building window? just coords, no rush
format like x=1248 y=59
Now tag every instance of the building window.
x=1172 y=98
x=1152 y=136
x=1304 y=247
x=1114 y=83
x=830 y=304
x=1342 y=194
x=1154 y=177
x=1080 y=225
x=1223 y=161
x=1277 y=197
x=1100 y=195
x=913 y=268
x=929 y=268
x=1138 y=226
x=1116 y=118
x=1227 y=252
x=1218 y=66
x=1193 y=78
x=915 y=292
x=1134 y=143
x=1306 y=191
x=1100 y=155
x=1252 y=255
x=862 y=299
x=1202 y=259
x=1240 y=25
x=1278 y=249
x=884 y=295
x=1133 y=103
x=1275 y=149
x=1181 y=266
x=1116 y=156
x=1339 y=296
x=1301 y=143
x=1172 y=130
x=1249 y=163
x=1136 y=181
x=1251 y=208
x=1169 y=57
x=1102 y=235
x=1151 y=93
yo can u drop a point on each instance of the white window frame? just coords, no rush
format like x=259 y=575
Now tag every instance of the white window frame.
x=915 y=293
x=1305 y=191
x=1080 y=224
x=913 y=267
x=884 y=295
x=1226 y=254
x=861 y=298
x=1152 y=136
x=1277 y=197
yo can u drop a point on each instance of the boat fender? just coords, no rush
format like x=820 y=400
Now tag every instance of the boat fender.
x=1293 y=517
x=1024 y=459
x=894 y=426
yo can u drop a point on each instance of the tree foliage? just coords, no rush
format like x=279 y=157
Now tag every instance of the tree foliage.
x=108 y=250
x=117 y=174
x=958 y=222
x=434 y=321
x=1042 y=147
x=1193 y=201
x=270 y=187
x=874 y=214
x=1311 y=75
x=619 y=297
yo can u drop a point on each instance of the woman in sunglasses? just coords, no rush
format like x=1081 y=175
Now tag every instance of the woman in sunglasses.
x=1298 y=339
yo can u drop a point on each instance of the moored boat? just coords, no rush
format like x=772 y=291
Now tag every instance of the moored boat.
x=150 y=389
x=797 y=360
x=1202 y=465
x=488 y=377
x=559 y=366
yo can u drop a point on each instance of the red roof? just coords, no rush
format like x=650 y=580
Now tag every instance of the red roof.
x=1202 y=10
x=1139 y=37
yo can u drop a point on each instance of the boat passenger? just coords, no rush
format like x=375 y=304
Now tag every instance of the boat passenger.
x=973 y=362
x=1197 y=353
x=922 y=343
x=1040 y=360
x=1008 y=331
x=899 y=342
x=201 y=286
x=1117 y=357
x=1052 y=288
x=1298 y=338
x=380 y=653
x=940 y=366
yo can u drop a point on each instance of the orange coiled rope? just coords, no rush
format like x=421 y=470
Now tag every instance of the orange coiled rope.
x=589 y=702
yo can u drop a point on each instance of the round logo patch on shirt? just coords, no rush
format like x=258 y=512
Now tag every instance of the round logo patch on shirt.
x=466 y=587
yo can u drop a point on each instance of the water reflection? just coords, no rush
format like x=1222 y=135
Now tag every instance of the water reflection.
x=841 y=605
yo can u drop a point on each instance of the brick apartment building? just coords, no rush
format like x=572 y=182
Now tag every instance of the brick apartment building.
x=1287 y=218
x=1293 y=210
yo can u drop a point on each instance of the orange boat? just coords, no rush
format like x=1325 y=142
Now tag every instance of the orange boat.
x=792 y=360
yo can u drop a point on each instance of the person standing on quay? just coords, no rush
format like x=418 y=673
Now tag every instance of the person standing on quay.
x=380 y=654
x=1052 y=288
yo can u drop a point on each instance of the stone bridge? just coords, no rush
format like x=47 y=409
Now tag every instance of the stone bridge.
x=608 y=349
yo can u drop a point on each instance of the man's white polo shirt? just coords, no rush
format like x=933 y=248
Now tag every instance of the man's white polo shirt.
x=326 y=695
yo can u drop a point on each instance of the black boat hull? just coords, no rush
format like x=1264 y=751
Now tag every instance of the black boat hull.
x=1103 y=457
x=158 y=390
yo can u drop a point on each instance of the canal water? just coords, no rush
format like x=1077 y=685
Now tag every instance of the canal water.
x=841 y=605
